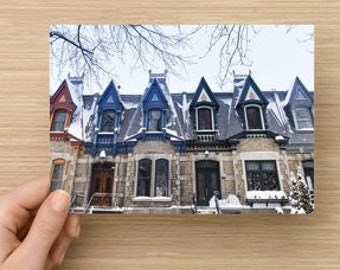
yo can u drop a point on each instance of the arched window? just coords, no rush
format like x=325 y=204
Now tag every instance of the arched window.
x=204 y=118
x=254 y=117
x=144 y=177
x=161 y=178
x=153 y=178
x=59 y=120
x=58 y=167
x=108 y=121
x=155 y=120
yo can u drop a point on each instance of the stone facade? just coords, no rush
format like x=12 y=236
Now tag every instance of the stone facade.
x=121 y=170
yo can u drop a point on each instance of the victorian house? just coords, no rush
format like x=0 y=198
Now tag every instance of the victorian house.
x=197 y=151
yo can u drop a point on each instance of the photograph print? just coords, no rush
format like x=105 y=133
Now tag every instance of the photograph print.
x=183 y=119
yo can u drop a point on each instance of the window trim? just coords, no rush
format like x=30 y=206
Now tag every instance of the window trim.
x=212 y=118
x=152 y=196
x=295 y=118
x=101 y=121
x=261 y=161
x=261 y=116
x=161 y=119
x=66 y=123
x=58 y=161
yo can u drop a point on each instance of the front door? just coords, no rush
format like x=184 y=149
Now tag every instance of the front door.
x=102 y=184
x=207 y=181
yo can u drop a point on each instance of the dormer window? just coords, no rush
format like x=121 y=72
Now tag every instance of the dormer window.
x=59 y=120
x=302 y=119
x=204 y=118
x=108 y=121
x=154 y=120
x=254 y=117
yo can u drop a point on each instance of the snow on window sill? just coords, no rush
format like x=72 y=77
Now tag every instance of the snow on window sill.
x=265 y=194
x=151 y=199
x=106 y=133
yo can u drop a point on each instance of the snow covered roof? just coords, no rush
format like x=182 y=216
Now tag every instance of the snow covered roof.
x=179 y=122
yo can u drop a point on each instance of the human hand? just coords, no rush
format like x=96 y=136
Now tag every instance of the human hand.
x=35 y=228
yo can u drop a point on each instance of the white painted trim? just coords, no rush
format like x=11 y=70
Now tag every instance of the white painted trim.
x=295 y=120
x=246 y=115
x=212 y=118
x=259 y=156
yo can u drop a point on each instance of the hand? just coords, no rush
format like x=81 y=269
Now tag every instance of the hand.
x=35 y=228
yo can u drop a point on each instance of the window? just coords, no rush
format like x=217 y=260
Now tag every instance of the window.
x=144 y=177
x=108 y=121
x=303 y=118
x=262 y=175
x=155 y=120
x=161 y=178
x=204 y=119
x=59 y=120
x=153 y=178
x=57 y=174
x=254 y=118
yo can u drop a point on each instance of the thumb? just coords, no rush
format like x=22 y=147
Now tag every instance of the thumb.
x=45 y=229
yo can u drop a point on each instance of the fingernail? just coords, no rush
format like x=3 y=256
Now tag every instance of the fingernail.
x=60 y=201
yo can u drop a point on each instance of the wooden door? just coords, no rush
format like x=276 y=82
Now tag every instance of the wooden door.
x=102 y=184
x=207 y=181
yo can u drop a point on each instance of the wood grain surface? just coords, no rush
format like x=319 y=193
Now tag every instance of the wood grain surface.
x=174 y=242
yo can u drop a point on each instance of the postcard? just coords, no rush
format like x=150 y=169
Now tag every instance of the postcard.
x=183 y=119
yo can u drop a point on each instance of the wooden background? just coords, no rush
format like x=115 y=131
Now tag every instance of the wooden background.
x=176 y=242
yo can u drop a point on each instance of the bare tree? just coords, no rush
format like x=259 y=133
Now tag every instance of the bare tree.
x=98 y=50
x=232 y=41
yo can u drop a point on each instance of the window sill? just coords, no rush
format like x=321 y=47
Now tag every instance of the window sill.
x=151 y=199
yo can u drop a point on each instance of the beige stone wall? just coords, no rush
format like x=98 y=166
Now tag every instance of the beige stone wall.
x=182 y=173
x=65 y=151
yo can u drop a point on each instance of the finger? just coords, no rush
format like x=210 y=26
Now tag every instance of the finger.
x=72 y=226
x=59 y=248
x=45 y=229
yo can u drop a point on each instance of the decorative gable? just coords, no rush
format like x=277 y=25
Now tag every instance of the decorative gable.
x=204 y=96
x=62 y=99
x=298 y=96
x=251 y=93
x=154 y=98
x=110 y=99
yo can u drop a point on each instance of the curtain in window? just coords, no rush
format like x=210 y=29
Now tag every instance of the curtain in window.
x=161 y=178
x=303 y=118
x=59 y=121
x=262 y=175
x=254 y=118
x=144 y=177
x=204 y=119
x=155 y=120
x=108 y=121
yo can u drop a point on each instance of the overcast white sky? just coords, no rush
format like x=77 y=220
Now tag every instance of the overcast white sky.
x=277 y=57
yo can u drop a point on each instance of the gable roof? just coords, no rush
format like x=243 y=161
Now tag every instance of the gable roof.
x=250 y=93
x=62 y=98
x=204 y=95
x=110 y=98
x=298 y=94
x=154 y=96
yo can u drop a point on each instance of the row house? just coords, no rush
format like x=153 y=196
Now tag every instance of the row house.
x=163 y=152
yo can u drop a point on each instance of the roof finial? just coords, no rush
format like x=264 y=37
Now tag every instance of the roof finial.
x=249 y=71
